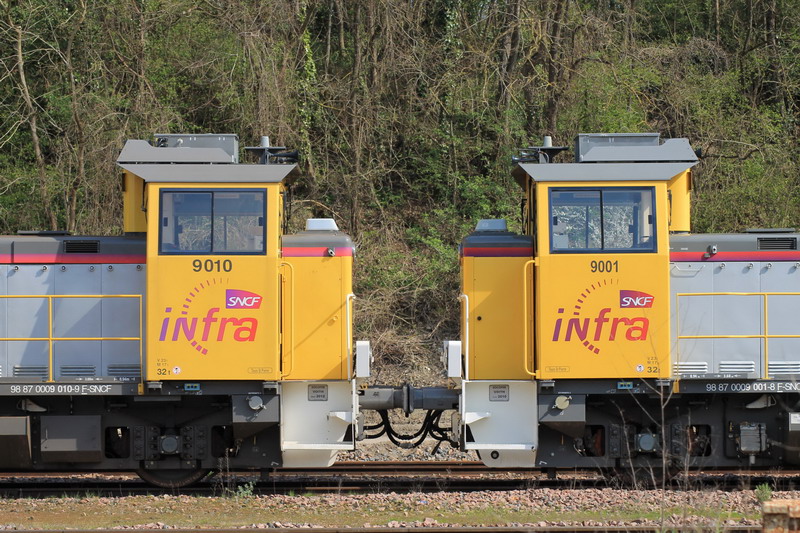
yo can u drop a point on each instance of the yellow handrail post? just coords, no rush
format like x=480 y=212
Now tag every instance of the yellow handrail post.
x=50 y=338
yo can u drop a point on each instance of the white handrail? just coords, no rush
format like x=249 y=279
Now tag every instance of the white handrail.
x=465 y=298
x=347 y=303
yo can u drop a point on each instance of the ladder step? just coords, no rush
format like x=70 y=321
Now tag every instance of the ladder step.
x=318 y=446
x=485 y=446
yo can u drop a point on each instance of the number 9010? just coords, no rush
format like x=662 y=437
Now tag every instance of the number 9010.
x=210 y=265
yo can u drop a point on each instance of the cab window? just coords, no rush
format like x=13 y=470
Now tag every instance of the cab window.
x=618 y=219
x=212 y=222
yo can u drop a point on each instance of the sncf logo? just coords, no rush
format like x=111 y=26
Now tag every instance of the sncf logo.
x=237 y=299
x=635 y=299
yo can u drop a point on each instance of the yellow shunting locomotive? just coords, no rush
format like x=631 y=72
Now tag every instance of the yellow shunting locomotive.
x=609 y=336
x=202 y=339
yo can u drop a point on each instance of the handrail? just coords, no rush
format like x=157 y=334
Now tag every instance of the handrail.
x=465 y=299
x=50 y=338
x=765 y=336
x=347 y=303
x=291 y=318
x=526 y=317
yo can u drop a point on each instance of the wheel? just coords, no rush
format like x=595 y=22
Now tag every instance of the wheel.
x=172 y=479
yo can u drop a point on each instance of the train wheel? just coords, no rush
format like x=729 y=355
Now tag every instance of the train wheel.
x=172 y=479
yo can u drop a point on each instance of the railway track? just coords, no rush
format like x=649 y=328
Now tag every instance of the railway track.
x=476 y=529
x=369 y=476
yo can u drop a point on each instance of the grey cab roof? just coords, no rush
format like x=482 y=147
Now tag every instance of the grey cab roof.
x=568 y=172
x=615 y=157
x=196 y=164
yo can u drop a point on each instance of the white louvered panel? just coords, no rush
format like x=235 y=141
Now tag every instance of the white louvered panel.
x=737 y=367
x=782 y=368
x=700 y=367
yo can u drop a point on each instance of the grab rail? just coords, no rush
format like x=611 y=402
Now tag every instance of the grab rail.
x=347 y=303
x=526 y=318
x=465 y=299
x=291 y=317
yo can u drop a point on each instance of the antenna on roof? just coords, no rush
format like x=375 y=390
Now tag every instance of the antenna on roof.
x=541 y=154
x=268 y=155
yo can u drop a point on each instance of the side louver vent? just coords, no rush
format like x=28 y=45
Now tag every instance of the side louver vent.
x=777 y=243
x=124 y=371
x=81 y=247
x=30 y=371
x=73 y=371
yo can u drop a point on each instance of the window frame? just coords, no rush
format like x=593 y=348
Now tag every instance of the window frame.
x=602 y=250
x=210 y=190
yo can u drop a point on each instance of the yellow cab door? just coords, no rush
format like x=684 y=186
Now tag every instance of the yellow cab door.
x=212 y=283
x=602 y=283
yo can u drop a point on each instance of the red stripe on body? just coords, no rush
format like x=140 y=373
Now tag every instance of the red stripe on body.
x=762 y=255
x=316 y=251
x=515 y=251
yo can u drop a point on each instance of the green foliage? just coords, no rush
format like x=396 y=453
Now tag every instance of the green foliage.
x=406 y=113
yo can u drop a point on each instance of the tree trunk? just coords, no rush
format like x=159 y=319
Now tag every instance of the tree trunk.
x=44 y=190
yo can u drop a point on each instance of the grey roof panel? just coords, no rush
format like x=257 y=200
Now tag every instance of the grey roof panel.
x=313 y=239
x=137 y=151
x=617 y=147
x=204 y=173
x=568 y=172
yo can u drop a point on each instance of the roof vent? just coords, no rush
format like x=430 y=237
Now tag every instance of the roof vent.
x=492 y=224
x=81 y=247
x=777 y=243
x=321 y=224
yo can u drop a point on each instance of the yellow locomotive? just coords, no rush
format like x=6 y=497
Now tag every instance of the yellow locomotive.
x=609 y=336
x=203 y=339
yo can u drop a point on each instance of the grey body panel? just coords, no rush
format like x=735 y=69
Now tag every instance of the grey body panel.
x=15 y=443
x=734 y=242
x=61 y=248
x=496 y=239
x=87 y=319
x=757 y=262
x=315 y=239
x=71 y=439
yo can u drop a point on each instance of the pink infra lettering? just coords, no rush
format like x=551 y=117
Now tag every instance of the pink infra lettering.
x=241 y=329
x=634 y=329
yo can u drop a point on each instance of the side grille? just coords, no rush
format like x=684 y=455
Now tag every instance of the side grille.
x=691 y=368
x=30 y=372
x=781 y=368
x=123 y=371
x=737 y=367
x=777 y=243
x=75 y=371
x=81 y=247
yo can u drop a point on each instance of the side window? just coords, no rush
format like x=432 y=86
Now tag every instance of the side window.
x=212 y=222
x=619 y=219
